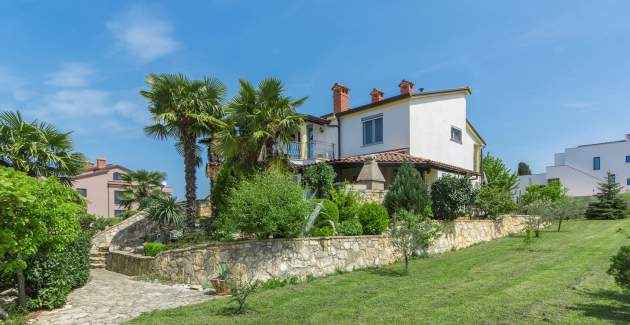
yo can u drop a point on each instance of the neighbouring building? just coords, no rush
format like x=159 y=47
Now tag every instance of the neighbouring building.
x=101 y=185
x=580 y=169
x=429 y=129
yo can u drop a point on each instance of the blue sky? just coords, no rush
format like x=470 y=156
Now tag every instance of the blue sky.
x=545 y=75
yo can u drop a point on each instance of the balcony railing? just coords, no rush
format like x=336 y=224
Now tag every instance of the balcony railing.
x=310 y=150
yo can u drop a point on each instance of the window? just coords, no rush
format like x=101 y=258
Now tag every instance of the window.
x=596 y=163
x=613 y=178
x=372 y=129
x=628 y=159
x=117 y=195
x=628 y=181
x=117 y=176
x=83 y=191
x=456 y=134
x=119 y=212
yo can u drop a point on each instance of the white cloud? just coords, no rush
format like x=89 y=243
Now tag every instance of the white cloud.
x=71 y=75
x=142 y=35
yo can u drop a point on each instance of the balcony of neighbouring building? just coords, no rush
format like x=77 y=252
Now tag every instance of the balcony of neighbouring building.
x=306 y=152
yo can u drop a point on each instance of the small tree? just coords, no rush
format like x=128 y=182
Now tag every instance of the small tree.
x=319 y=179
x=566 y=208
x=609 y=204
x=451 y=197
x=498 y=175
x=35 y=213
x=241 y=289
x=411 y=233
x=166 y=212
x=553 y=191
x=523 y=169
x=492 y=201
x=409 y=192
x=620 y=267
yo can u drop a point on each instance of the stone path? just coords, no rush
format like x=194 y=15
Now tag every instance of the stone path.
x=113 y=298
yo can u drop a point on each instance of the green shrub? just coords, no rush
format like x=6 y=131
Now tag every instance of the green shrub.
x=319 y=179
x=620 y=267
x=322 y=231
x=409 y=192
x=266 y=204
x=329 y=211
x=51 y=275
x=451 y=197
x=374 y=218
x=347 y=203
x=553 y=191
x=226 y=180
x=152 y=249
x=351 y=227
x=494 y=201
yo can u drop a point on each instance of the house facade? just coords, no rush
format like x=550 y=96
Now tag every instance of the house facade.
x=101 y=185
x=580 y=169
x=429 y=129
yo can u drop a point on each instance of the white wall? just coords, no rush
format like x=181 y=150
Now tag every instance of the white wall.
x=577 y=182
x=395 y=130
x=527 y=180
x=431 y=119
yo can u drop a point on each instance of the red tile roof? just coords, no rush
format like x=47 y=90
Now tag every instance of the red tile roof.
x=399 y=156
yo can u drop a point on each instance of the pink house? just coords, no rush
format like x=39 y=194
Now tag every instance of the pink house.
x=101 y=185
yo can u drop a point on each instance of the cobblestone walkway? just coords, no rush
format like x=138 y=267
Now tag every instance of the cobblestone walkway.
x=113 y=298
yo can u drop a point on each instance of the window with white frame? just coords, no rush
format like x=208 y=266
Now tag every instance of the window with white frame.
x=372 y=129
x=456 y=134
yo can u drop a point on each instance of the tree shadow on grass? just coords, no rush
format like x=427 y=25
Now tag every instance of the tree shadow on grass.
x=233 y=311
x=612 y=306
x=386 y=272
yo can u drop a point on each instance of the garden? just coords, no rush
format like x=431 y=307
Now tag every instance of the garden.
x=255 y=194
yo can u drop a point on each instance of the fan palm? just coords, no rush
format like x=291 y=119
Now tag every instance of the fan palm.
x=184 y=110
x=37 y=148
x=166 y=212
x=258 y=119
x=141 y=184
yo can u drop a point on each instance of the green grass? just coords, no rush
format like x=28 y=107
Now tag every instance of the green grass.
x=558 y=279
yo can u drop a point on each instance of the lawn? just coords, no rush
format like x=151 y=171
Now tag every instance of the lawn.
x=559 y=279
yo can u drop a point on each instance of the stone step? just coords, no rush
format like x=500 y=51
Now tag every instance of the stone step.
x=97 y=265
x=97 y=259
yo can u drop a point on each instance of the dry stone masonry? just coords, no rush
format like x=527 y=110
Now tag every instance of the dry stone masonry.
x=301 y=257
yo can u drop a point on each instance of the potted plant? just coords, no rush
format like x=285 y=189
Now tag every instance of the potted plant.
x=220 y=282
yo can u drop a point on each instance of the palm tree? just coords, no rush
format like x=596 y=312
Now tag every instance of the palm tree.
x=258 y=119
x=141 y=185
x=37 y=148
x=184 y=110
x=166 y=212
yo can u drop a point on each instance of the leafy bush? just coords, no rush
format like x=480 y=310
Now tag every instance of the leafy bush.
x=152 y=249
x=350 y=227
x=553 y=191
x=347 y=203
x=266 y=204
x=52 y=274
x=374 y=218
x=319 y=179
x=620 y=267
x=494 y=201
x=451 y=197
x=322 y=231
x=610 y=204
x=409 y=192
x=105 y=222
x=498 y=176
x=329 y=211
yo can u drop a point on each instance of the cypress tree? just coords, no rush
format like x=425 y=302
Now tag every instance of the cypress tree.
x=523 y=169
x=409 y=192
x=609 y=204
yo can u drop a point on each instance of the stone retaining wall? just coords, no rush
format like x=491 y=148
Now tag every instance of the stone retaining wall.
x=131 y=232
x=301 y=257
x=129 y=263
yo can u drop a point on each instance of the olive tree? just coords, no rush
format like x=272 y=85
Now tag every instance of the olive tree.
x=411 y=232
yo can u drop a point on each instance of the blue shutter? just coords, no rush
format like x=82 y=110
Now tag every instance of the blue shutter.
x=378 y=130
x=368 y=136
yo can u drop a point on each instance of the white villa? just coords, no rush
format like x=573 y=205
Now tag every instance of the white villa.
x=580 y=169
x=427 y=128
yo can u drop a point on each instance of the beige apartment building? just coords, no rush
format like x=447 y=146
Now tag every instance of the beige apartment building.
x=101 y=185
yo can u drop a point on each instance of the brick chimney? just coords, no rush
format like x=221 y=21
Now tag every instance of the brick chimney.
x=406 y=87
x=377 y=95
x=100 y=163
x=341 y=101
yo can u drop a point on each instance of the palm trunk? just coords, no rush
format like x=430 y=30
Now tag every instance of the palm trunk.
x=190 y=169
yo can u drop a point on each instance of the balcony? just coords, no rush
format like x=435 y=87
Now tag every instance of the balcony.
x=311 y=150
